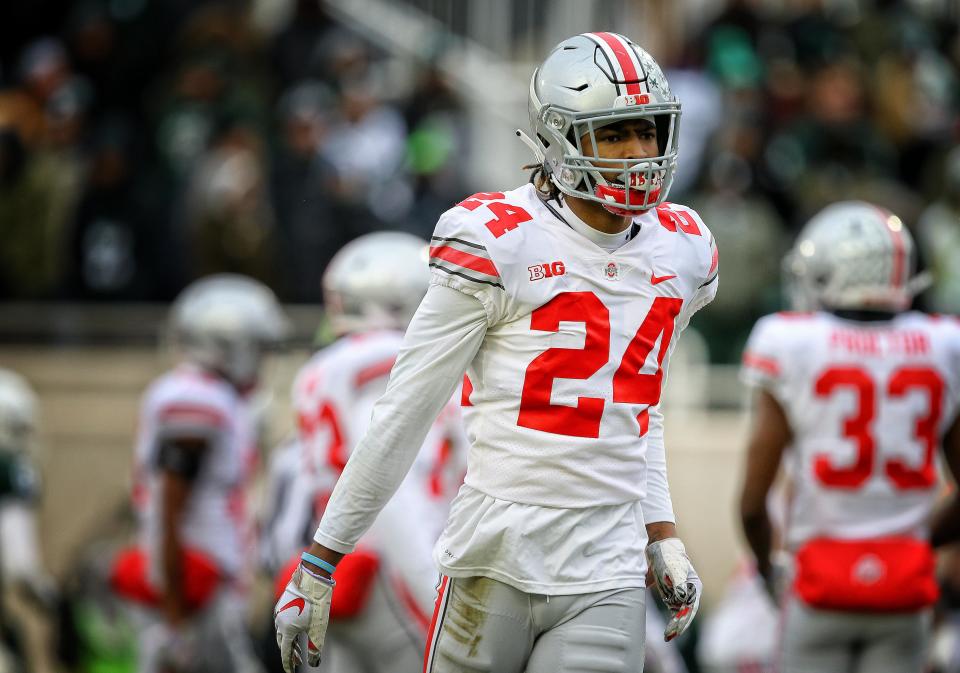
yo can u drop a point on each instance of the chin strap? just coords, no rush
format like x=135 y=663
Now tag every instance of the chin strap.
x=532 y=145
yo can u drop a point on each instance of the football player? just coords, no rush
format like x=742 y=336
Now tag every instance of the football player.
x=864 y=394
x=562 y=300
x=194 y=459
x=382 y=610
x=20 y=558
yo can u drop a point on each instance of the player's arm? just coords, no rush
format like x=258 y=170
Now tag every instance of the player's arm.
x=178 y=461
x=440 y=342
x=946 y=522
x=769 y=436
x=442 y=339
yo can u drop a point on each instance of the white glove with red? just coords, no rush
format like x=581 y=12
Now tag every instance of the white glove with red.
x=304 y=607
x=677 y=582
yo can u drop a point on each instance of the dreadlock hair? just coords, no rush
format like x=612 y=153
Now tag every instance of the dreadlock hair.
x=540 y=179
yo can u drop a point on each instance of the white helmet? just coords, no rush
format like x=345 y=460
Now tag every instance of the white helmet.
x=376 y=281
x=224 y=323
x=853 y=255
x=589 y=81
x=18 y=412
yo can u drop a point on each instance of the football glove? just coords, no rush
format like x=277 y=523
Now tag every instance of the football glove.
x=677 y=581
x=304 y=607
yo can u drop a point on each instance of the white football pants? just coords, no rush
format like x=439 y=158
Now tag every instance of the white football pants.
x=820 y=641
x=486 y=626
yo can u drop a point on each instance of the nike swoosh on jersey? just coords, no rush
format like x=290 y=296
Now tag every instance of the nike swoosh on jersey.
x=655 y=279
x=297 y=603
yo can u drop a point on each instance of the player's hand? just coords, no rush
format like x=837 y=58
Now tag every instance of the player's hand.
x=775 y=575
x=304 y=607
x=677 y=582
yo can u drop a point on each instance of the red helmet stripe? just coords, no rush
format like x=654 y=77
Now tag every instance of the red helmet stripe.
x=625 y=59
x=899 y=249
x=899 y=253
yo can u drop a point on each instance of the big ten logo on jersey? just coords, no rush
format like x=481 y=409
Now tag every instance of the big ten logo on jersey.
x=507 y=216
x=546 y=270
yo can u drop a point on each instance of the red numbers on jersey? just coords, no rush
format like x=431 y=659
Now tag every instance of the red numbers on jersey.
x=857 y=427
x=629 y=385
x=325 y=419
x=507 y=217
x=673 y=218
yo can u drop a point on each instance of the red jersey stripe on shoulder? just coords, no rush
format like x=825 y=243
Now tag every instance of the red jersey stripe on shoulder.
x=375 y=371
x=625 y=59
x=715 y=258
x=764 y=364
x=464 y=259
x=192 y=413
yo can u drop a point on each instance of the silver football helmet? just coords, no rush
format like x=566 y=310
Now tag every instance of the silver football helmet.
x=376 y=282
x=589 y=81
x=225 y=322
x=18 y=412
x=853 y=255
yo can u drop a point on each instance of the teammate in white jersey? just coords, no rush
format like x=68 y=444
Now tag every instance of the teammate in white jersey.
x=562 y=301
x=195 y=455
x=858 y=397
x=382 y=610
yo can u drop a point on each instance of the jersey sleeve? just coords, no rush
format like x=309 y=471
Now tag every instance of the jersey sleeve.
x=705 y=269
x=190 y=409
x=762 y=364
x=442 y=339
x=18 y=479
x=657 y=504
x=709 y=267
x=460 y=259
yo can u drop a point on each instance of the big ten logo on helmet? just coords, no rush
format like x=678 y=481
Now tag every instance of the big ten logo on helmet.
x=636 y=99
x=546 y=270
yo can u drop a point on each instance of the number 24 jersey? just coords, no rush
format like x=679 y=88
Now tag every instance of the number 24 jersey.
x=560 y=396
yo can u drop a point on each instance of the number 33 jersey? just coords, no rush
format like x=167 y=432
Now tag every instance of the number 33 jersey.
x=560 y=396
x=868 y=404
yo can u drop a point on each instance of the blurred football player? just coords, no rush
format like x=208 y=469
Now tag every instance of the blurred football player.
x=20 y=558
x=864 y=394
x=382 y=609
x=195 y=456
x=562 y=301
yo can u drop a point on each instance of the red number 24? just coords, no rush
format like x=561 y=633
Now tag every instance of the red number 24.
x=629 y=385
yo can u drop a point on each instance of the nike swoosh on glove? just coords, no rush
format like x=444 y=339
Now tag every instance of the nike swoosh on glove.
x=304 y=607
x=677 y=582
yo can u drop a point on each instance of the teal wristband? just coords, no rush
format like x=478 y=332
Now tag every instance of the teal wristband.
x=317 y=561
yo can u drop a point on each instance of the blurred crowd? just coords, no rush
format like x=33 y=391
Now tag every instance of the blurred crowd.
x=788 y=110
x=144 y=144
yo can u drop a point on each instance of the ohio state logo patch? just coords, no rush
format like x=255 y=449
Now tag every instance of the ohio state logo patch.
x=611 y=271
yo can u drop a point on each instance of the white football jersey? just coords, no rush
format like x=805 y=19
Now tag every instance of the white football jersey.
x=188 y=402
x=333 y=396
x=868 y=404
x=577 y=346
